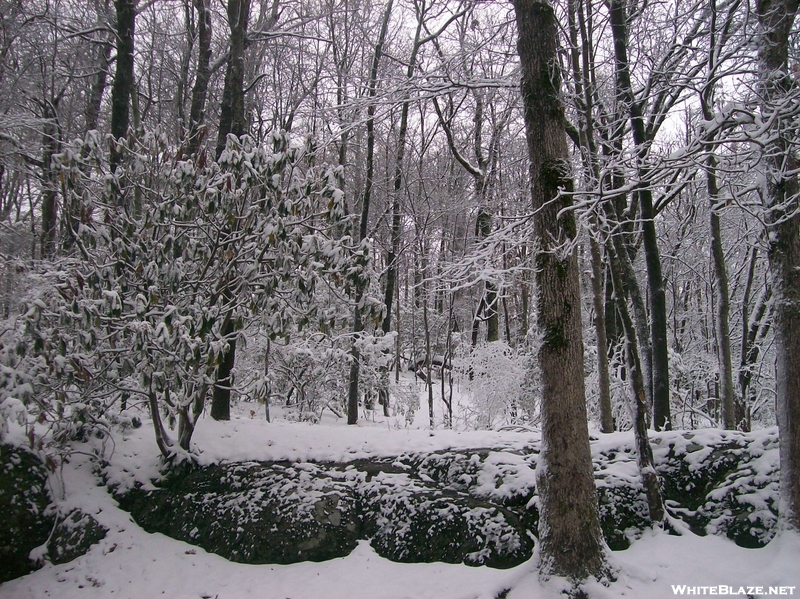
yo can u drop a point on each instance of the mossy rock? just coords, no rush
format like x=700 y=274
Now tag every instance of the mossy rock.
x=73 y=536
x=24 y=525
x=410 y=521
x=285 y=513
x=723 y=488
x=254 y=513
x=477 y=507
x=623 y=514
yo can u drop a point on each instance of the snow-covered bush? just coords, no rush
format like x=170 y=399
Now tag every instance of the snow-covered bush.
x=173 y=257
x=496 y=377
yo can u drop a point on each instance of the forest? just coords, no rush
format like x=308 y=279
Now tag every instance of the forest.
x=459 y=217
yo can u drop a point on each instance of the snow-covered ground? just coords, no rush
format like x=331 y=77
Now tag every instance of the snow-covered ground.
x=131 y=563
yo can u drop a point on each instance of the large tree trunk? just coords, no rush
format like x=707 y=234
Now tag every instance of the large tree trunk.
x=775 y=19
x=231 y=120
x=231 y=116
x=571 y=542
x=662 y=418
x=200 y=89
x=124 y=82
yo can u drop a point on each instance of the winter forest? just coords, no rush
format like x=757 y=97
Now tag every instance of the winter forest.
x=399 y=298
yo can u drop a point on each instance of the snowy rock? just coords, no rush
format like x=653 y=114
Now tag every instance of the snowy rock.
x=412 y=521
x=285 y=513
x=254 y=513
x=73 y=536
x=24 y=525
x=471 y=506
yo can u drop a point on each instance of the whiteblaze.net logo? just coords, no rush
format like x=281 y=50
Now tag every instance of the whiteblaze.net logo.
x=724 y=589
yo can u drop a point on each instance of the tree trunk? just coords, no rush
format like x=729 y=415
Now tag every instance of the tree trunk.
x=571 y=542
x=722 y=304
x=221 y=398
x=231 y=116
x=644 y=453
x=124 y=82
x=754 y=331
x=394 y=250
x=200 y=89
x=50 y=147
x=581 y=51
x=662 y=419
x=775 y=19
x=483 y=228
x=355 y=366
x=231 y=120
x=95 y=99
x=603 y=377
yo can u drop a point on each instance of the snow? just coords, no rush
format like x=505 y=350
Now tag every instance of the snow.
x=131 y=563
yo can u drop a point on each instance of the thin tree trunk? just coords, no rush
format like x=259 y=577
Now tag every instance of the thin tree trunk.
x=231 y=120
x=95 y=99
x=483 y=228
x=358 y=326
x=397 y=185
x=50 y=147
x=163 y=440
x=604 y=379
x=221 y=397
x=590 y=158
x=754 y=331
x=724 y=359
x=644 y=453
x=662 y=419
x=722 y=304
x=571 y=542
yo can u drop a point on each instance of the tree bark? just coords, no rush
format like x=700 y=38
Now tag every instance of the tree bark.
x=124 y=83
x=754 y=331
x=580 y=51
x=722 y=304
x=571 y=542
x=603 y=377
x=231 y=116
x=775 y=19
x=201 y=78
x=50 y=147
x=221 y=397
x=231 y=120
